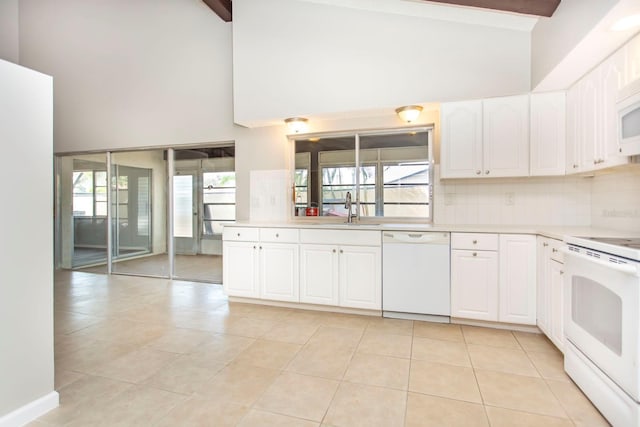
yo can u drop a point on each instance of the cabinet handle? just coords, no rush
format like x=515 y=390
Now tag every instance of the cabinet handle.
x=554 y=250
x=238 y=234
x=561 y=272
x=619 y=150
x=545 y=244
x=341 y=251
x=486 y=172
x=254 y=246
x=475 y=242
x=595 y=161
x=334 y=251
x=575 y=166
x=475 y=254
x=260 y=247
x=277 y=235
x=478 y=172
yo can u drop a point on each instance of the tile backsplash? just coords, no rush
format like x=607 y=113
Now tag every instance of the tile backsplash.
x=513 y=201
x=616 y=199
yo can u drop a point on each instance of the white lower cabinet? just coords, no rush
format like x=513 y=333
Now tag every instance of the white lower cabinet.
x=517 y=279
x=319 y=274
x=260 y=263
x=474 y=284
x=346 y=276
x=278 y=273
x=497 y=283
x=240 y=269
x=550 y=290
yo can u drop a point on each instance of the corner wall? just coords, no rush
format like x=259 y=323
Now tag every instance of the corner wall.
x=26 y=253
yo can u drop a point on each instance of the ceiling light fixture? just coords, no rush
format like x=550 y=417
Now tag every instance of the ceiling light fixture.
x=296 y=124
x=409 y=113
x=626 y=23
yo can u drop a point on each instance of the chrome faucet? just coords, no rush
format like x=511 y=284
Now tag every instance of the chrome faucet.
x=347 y=206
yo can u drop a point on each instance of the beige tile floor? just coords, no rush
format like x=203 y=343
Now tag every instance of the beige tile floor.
x=154 y=352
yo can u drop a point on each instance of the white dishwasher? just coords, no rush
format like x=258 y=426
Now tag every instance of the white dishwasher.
x=416 y=275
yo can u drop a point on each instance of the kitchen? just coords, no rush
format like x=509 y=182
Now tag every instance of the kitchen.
x=599 y=201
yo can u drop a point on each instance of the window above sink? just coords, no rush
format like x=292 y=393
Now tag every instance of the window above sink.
x=388 y=173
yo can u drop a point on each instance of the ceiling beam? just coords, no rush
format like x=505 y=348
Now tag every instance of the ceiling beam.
x=222 y=8
x=528 y=7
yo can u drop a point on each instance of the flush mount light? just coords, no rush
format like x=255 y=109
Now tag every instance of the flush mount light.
x=409 y=113
x=296 y=124
x=627 y=23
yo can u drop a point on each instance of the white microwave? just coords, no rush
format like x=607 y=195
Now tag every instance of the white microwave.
x=628 y=107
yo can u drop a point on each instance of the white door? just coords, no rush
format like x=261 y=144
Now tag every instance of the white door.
x=543 y=303
x=505 y=136
x=461 y=147
x=556 y=288
x=517 y=279
x=185 y=213
x=548 y=124
x=239 y=269
x=279 y=271
x=608 y=150
x=360 y=277
x=574 y=132
x=589 y=120
x=319 y=274
x=474 y=284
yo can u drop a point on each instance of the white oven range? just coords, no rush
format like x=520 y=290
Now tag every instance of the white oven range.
x=602 y=324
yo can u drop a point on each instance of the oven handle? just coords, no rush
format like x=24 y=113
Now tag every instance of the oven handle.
x=622 y=268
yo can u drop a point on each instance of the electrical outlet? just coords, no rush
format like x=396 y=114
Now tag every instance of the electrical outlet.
x=509 y=198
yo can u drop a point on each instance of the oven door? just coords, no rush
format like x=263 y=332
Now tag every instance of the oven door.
x=601 y=316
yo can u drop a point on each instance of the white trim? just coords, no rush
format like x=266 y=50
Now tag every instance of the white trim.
x=29 y=412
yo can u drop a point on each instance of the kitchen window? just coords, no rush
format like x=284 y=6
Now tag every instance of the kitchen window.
x=387 y=173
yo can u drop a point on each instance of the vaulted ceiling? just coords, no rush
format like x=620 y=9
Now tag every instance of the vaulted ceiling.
x=223 y=8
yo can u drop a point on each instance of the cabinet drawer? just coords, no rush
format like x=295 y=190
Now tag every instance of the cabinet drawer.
x=283 y=235
x=240 y=234
x=555 y=253
x=479 y=241
x=341 y=237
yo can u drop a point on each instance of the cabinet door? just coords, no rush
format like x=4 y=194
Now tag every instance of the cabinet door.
x=474 y=284
x=589 y=120
x=319 y=274
x=360 y=277
x=543 y=300
x=573 y=148
x=632 y=56
x=279 y=277
x=556 y=276
x=608 y=152
x=239 y=269
x=505 y=130
x=461 y=147
x=548 y=124
x=517 y=279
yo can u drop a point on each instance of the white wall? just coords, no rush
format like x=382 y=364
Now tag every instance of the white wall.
x=553 y=38
x=9 y=43
x=131 y=73
x=298 y=58
x=26 y=227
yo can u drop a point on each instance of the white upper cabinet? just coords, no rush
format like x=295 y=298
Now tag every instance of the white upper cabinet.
x=485 y=138
x=611 y=81
x=506 y=136
x=548 y=134
x=592 y=137
x=461 y=148
x=632 y=60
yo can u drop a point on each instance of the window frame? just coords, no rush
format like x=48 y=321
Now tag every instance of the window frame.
x=379 y=165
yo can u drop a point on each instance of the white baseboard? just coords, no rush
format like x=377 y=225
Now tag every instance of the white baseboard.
x=30 y=411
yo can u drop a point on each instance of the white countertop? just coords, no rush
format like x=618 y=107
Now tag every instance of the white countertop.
x=555 y=232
